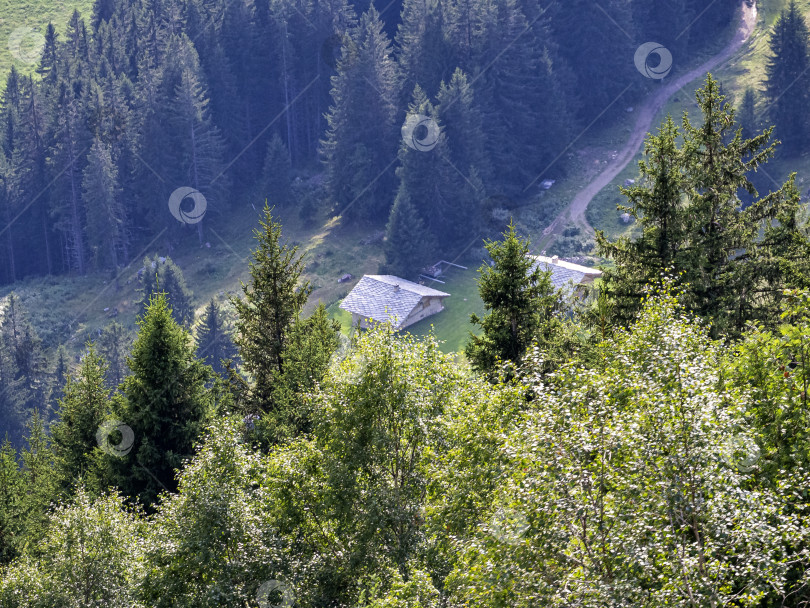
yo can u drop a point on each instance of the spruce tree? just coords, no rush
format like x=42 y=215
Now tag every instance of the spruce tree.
x=360 y=146
x=788 y=85
x=312 y=342
x=113 y=345
x=40 y=483
x=747 y=114
x=276 y=173
x=523 y=306
x=271 y=304
x=81 y=414
x=106 y=220
x=408 y=245
x=214 y=343
x=10 y=492
x=164 y=401
x=731 y=261
x=166 y=277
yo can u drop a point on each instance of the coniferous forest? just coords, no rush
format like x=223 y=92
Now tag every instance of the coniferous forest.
x=642 y=440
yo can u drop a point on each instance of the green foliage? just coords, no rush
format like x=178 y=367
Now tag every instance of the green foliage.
x=276 y=174
x=164 y=402
x=732 y=261
x=633 y=485
x=284 y=354
x=113 y=345
x=91 y=557
x=787 y=86
x=81 y=413
x=523 y=306
x=214 y=341
x=408 y=246
x=162 y=275
x=10 y=493
x=214 y=543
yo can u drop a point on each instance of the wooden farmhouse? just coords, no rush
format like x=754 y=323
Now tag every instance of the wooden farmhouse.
x=380 y=298
x=567 y=276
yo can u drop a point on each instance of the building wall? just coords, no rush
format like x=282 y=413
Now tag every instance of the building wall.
x=428 y=306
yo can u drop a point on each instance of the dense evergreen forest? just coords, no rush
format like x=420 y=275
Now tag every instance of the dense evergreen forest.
x=640 y=442
x=227 y=97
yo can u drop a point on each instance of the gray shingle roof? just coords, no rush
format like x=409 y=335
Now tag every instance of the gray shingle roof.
x=565 y=274
x=383 y=297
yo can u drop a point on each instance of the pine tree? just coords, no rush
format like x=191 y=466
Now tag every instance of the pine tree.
x=106 y=219
x=162 y=275
x=408 y=245
x=524 y=307
x=113 y=345
x=11 y=490
x=788 y=85
x=523 y=98
x=40 y=483
x=425 y=57
x=196 y=137
x=164 y=401
x=59 y=377
x=276 y=173
x=747 y=114
x=460 y=116
x=81 y=413
x=271 y=304
x=732 y=263
x=312 y=342
x=214 y=343
x=178 y=295
x=360 y=147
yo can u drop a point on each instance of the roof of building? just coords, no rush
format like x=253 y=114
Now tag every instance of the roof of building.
x=384 y=297
x=564 y=274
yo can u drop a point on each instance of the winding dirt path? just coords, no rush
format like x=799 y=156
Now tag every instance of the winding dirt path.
x=575 y=212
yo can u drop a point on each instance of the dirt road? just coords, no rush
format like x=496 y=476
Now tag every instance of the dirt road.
x=575 y=212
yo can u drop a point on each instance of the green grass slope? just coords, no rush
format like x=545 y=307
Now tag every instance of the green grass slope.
x=22 y=25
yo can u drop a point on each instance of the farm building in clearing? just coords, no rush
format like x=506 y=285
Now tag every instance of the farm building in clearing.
x=567 y=276
x=378 y=298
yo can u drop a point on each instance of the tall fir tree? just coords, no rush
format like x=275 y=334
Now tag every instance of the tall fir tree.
x=214 y=342
x=523 y=307
x=360 y=146
x=113 y=345
x=81 y=413
x=409 y=247
x=787 y=84
x=106 y=220
x=164 y=402
x=270 y=305
x=732 y=262
x=276 y=173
